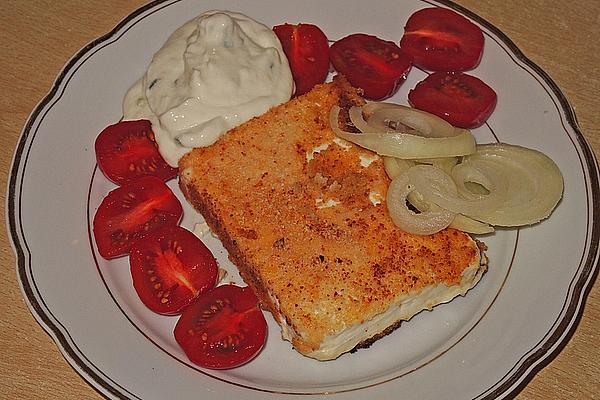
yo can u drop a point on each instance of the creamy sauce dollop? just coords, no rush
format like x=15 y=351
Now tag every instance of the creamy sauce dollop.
x=213 y=73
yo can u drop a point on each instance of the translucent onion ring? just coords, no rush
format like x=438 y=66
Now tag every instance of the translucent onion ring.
x=494 y=184
x=396 y=166
x=424 y=223
x=470 y=225
x=438 y=187
x=533 y=180
x=383 y=116
x=405 y=145
x=460 y=221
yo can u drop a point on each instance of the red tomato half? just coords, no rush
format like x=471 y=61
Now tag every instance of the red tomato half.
x=132 y=210
x=376 y=66
x=224 y=328
x=170 y=268
x=463 y=100
x=127 y=150
x=307 y=50
x=440 y=39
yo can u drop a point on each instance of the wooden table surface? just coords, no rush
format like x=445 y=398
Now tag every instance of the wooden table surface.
x=38 y=37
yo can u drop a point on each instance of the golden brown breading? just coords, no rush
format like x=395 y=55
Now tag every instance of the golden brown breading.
x=303 y=217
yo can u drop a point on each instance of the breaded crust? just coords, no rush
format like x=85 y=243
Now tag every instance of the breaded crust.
x=303 y=217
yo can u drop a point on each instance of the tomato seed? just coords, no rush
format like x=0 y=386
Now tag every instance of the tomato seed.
x=231 y=342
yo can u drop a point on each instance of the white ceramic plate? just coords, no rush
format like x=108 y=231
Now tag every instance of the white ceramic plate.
x=485 y=345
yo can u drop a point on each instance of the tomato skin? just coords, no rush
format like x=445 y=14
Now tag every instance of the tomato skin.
x=461 y=99
x=132 y=210
x=440 y=39
x=376 y=66
x=223 y=329
x=307 y=50
x=170 y=268
x=127 y=150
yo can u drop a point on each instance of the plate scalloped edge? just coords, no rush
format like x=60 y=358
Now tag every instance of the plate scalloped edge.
x=512 y=383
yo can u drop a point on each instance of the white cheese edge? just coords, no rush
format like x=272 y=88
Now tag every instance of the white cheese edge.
x=402 y=309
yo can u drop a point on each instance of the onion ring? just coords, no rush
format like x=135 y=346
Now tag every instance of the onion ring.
x=423 y=223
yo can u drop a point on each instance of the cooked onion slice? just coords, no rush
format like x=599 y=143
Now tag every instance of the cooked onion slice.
x=460 y=221
x=446 y=164
x=439 y=171
x=533 y=180
x=438 y=187
x=413 y=145
x=469 y=225
x=388 y=117
x=356 y=116
x=502 y=185
x=396 y=166
x=423 y=223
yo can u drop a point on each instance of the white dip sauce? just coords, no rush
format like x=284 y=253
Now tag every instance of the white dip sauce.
x=215 y=72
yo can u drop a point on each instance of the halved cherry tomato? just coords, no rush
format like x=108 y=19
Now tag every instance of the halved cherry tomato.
x=440 y=39
x=461 y=99
x=224 y=328
x=376 y=66
x=127 y=150
x=307 y=50
x=170 y=268
x=132 y=210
